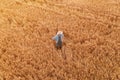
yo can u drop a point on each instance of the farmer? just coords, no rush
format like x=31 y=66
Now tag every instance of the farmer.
x=59 y=39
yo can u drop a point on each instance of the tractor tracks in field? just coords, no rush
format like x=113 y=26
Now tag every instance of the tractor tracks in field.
x=88 y=14
x=81 y=12
x=99 y=17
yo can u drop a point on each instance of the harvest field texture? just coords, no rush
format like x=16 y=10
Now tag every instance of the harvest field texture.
x=91 y=44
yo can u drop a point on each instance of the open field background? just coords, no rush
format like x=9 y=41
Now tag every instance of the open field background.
x=91 y=48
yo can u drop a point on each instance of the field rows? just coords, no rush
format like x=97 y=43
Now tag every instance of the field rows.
x=91 y=43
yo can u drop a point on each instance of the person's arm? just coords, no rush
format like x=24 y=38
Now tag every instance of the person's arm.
x=54 y=38
x=62 y=35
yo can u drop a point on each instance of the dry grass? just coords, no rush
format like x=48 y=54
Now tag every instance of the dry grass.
x=91 y=48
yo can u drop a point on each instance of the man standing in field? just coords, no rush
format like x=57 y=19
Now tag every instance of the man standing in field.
x=59 y=39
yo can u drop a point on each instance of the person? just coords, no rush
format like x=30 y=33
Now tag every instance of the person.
x=59 y=39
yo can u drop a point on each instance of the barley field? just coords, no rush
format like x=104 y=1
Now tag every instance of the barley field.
x=91 y=47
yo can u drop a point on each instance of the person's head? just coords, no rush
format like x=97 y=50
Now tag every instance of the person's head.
x=59 y=32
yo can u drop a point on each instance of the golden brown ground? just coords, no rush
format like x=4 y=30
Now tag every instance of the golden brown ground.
x=91 y=48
